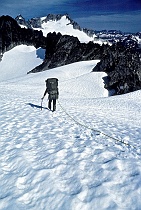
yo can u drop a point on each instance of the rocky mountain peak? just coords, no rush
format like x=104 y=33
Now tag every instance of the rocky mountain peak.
x=38 y=22
x=22 y=22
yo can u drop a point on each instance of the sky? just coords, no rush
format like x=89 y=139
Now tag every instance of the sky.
x=122 y=15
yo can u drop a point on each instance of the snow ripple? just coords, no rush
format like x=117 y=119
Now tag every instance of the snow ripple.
x=57 y=160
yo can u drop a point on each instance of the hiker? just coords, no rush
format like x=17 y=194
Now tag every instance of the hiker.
x=52 y=90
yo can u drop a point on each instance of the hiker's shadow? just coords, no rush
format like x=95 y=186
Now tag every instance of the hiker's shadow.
x=37 y=106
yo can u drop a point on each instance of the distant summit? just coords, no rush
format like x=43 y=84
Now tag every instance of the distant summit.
x=22 y=22
x=60 y=24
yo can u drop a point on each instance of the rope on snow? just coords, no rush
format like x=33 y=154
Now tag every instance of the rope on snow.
x=83 y=125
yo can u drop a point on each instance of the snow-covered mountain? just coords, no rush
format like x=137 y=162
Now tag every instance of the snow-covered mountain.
x=86 y=155
x=65 y=25
x=58 y=23
x=113 y=36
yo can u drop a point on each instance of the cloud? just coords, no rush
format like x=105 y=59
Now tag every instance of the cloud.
x=100 y=6
x=27 y=8
x=126 y=22
x=26 y=3
x=95 y=14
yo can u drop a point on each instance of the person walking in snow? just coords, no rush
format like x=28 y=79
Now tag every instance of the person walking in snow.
x=52 y=90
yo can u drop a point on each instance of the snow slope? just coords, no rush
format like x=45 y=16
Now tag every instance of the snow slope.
x=70 y=159
x=23 y=58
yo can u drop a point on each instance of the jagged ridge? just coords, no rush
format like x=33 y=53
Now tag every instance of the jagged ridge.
x=38 y=21
x=11 y=35
x=120 y=61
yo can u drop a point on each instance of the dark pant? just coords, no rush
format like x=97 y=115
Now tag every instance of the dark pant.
x=54 y=104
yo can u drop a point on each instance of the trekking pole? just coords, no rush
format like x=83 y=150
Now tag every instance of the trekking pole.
x=41 y=102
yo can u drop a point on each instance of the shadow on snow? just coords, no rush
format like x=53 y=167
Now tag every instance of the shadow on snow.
x=37 y=106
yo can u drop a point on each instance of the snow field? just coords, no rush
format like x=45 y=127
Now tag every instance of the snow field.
x=49 y=161
x=24 y=59
x=52 y=163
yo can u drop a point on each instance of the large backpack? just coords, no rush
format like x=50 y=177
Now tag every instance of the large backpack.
x=52 y=87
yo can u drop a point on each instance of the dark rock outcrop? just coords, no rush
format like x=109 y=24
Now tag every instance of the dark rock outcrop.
x=122 y=64
x=11 y=35
x=64 y=49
